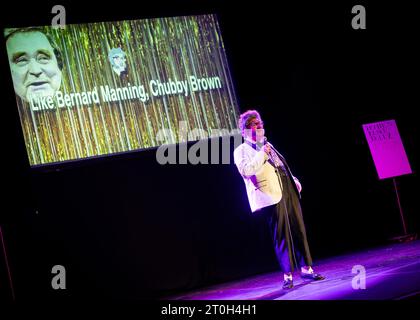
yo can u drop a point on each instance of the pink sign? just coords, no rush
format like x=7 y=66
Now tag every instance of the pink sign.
x=387 y=149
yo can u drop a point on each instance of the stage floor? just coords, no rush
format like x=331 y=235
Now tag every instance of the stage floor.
x=392 y=272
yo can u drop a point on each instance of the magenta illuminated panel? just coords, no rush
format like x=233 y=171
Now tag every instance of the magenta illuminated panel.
x=387 y=149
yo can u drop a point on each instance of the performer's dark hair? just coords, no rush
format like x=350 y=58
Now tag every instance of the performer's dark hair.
x=9 y=32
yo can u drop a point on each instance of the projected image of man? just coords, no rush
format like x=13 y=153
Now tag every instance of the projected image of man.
x=118 y=61
x=35 y=62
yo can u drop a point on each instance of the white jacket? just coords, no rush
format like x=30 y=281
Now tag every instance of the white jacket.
x=262 y=183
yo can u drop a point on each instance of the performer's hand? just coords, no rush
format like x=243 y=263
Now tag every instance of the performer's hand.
x=298 y=185
x=267 y=148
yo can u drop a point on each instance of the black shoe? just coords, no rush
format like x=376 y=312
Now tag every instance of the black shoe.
x=288 y=284
x=312 y=276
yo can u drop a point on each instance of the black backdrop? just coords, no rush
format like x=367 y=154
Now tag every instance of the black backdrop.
x=124 y=226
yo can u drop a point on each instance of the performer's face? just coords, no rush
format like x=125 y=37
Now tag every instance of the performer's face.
x=256 y=130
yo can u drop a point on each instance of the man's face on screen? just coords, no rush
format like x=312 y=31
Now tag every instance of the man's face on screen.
x=119 y=63
x=33 y=65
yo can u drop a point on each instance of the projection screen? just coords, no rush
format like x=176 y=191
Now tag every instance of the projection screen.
x=97 y=89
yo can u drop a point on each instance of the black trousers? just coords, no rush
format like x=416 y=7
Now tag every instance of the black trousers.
x=287 y=228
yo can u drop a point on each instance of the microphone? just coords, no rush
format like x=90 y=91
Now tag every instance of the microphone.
x=265 y=141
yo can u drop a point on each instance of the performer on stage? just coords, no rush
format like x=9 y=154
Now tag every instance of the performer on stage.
x=273 y=190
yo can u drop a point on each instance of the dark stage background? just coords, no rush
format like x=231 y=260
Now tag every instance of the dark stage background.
x=126 y=227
